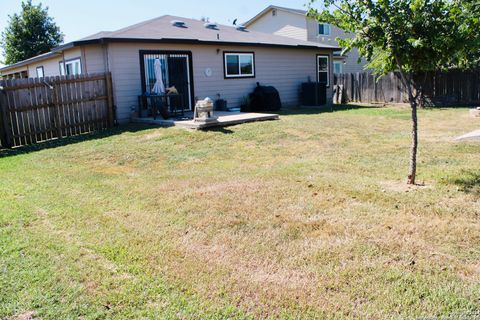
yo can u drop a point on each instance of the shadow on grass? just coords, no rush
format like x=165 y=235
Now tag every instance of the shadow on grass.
x=74 y=139
x=303 y=110
x=139 y=127
x=223 y=130
x=469 y=182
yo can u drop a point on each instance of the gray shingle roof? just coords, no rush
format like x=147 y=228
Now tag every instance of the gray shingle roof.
x=161 y=28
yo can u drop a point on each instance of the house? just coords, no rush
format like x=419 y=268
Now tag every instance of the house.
x=199 y=59
x=295 y=24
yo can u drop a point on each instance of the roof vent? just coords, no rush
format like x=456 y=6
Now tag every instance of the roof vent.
x=209 y=25
x=241 y=28
x=179 y=24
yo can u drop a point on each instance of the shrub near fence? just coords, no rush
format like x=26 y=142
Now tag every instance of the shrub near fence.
x=35 y=110
x=440 y=89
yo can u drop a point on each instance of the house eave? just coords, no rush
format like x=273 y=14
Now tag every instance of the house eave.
x=53 y=53
x=29 y=61
x=58 y=50
x=205 y=42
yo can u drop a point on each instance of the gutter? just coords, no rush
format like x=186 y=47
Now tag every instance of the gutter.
x=197 y=41
x=60 y=49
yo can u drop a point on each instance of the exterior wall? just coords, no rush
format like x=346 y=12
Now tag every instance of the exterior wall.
x=51 y=67
x=13 y=71
x=282 y=68
x=93 y=59
x=300 y=27
x=351 y=59
x=283 y=24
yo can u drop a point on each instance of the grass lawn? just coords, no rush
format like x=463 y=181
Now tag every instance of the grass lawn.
x=306 y=217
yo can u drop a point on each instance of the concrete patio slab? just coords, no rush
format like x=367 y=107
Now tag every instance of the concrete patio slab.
x=474 y=135
x=224 y=119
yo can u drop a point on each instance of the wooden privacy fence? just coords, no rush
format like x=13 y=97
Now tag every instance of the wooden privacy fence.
x=41 y=109
x=440 y=89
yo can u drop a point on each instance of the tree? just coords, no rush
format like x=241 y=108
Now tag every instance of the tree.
x=411 y=37
x=30 y=33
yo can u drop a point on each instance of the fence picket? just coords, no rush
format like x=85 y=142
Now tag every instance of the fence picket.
x=441 y=88
x=31 y=111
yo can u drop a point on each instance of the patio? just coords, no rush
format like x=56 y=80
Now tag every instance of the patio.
x=225 y=118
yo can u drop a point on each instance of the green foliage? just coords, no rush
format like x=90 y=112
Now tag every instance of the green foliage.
x=30 y=33
x=413 y=36
x=466 y=15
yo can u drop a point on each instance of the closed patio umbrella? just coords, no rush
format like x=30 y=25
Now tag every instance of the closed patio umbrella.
x=159 y=87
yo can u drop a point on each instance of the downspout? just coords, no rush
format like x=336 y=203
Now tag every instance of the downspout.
x=64 y=64
x=106 y=56
x=106 y=59
x=83 y=61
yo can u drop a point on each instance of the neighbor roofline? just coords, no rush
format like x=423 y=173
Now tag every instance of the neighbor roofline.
x=266 y=10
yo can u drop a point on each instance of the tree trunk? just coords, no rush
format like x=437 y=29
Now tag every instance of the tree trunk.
x=409 y=84
x=413 y=151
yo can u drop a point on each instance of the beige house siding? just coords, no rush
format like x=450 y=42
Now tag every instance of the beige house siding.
x=305 y=29
x=351 y=59
x=15 y=70
x=283 y=24
x=94 y=59
x=51 y=66
x=284 y=69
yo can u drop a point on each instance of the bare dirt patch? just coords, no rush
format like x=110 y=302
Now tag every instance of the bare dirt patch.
x=402 y=186
x=151 y=136
x=250 y=267
x=29 y=315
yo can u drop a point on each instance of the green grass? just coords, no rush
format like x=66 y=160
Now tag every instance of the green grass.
x=306 y=217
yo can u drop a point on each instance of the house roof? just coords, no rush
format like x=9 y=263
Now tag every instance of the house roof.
x=161 y=30
x=271 y=7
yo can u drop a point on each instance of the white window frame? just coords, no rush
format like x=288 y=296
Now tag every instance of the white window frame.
x=42 y=72
x=320 y=56
x=240 y=75
x=72 y=62
x=326 y=29
x=340 y=63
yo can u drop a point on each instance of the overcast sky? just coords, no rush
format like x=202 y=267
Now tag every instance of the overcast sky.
x=78 y=19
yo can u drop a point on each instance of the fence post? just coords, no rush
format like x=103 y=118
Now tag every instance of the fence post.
x=108 y=79
x=5 y=133
x=56 y=106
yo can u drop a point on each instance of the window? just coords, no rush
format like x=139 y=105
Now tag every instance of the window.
x=73 y=67
x=323 y=74
x=337 y=67
x=324 y=29
x=239 y=65
x=40 y=73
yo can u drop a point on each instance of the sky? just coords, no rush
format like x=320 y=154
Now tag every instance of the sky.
x=78 y=19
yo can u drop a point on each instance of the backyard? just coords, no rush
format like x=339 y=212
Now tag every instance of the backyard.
x=308 y=216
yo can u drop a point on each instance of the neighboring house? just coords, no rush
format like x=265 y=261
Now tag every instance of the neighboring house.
x=295 y=24
x=199 y=59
